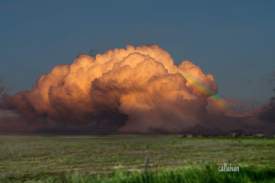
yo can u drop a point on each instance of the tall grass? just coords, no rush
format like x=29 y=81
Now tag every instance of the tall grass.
x=206 y=174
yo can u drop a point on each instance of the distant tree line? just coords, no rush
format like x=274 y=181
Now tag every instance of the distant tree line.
x=269 y=110
x=2 y=89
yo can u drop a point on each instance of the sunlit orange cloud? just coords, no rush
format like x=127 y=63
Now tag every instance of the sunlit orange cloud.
x=129 y=89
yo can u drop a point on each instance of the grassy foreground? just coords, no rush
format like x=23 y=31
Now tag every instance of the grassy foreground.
x=207 y=174
x=123 y=158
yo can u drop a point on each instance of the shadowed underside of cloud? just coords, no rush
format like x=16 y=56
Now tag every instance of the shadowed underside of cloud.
x=136 y=89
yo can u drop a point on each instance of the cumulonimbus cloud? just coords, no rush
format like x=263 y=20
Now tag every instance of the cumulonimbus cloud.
x=133 y=89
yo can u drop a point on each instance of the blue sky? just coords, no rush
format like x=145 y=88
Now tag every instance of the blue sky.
x=234 y=40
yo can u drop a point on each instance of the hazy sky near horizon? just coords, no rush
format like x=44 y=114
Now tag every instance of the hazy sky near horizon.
x=233 y=40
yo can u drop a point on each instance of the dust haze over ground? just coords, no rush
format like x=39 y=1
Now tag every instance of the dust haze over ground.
x=128 y=90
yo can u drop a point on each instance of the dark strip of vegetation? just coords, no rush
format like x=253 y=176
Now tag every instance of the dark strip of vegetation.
x=207 y=174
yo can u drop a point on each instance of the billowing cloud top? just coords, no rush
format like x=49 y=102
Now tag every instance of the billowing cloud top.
x=136 y=89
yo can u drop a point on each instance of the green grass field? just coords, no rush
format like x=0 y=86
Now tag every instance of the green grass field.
x=134 y=158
